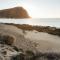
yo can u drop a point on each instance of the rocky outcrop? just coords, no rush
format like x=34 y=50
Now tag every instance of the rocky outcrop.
x=7 y=51
x=16 y=12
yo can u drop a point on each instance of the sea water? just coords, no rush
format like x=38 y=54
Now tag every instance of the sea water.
x=54 y=22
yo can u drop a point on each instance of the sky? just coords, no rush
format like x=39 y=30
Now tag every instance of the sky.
x=35 y=8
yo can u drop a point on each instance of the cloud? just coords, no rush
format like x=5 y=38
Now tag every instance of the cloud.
x=6 y=0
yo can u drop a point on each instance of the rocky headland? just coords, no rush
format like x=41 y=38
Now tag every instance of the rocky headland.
x=15 y=12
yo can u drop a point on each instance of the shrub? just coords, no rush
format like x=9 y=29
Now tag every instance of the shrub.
x=7 y=39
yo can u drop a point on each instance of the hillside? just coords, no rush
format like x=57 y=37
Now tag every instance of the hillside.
x=16 y=12
x=30 y=42
x=33 y=45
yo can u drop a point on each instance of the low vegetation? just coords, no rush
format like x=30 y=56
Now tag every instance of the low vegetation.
x=29 y=54
x=47 y=29
x=40 y=56
x=6 y=39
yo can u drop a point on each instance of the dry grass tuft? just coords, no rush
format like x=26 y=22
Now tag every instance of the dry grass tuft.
x=7 y=39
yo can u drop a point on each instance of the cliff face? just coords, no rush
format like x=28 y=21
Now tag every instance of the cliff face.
x=16 y=12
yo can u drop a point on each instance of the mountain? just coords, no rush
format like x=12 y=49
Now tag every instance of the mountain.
x=16 y=12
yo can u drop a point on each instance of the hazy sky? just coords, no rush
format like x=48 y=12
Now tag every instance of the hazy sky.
x=36 y=8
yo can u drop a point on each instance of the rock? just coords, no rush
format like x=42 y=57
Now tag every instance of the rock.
x=8 y=53
x=16 y=12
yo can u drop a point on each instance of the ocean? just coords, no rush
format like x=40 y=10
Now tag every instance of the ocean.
x=53 y=22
